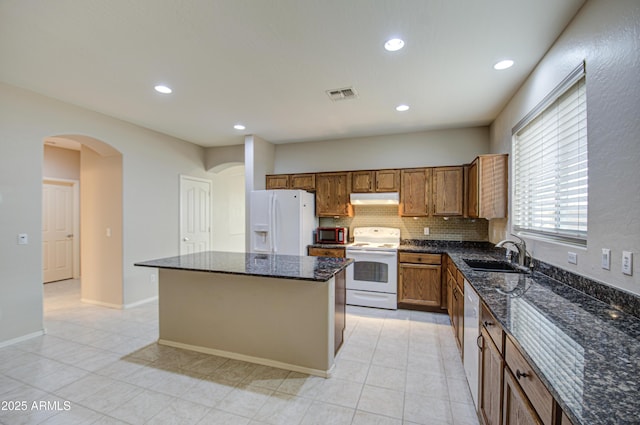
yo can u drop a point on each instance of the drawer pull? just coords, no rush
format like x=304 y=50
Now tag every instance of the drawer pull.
x=521 y=374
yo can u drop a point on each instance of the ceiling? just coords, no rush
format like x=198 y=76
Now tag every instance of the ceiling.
x=267 y=63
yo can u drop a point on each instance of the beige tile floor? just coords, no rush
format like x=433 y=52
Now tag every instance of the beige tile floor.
x=395 y=368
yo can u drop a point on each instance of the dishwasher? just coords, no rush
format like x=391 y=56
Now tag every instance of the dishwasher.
x=471 y=352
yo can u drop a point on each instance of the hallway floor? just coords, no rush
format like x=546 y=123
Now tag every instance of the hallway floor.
x=98 y=365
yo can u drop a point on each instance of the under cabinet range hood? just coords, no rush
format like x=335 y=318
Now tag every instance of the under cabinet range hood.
x=381 y=198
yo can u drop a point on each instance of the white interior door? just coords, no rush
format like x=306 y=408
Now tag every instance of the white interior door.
x=195 y=215
x=57 y=231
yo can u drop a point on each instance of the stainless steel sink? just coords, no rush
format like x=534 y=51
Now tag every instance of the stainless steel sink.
x=499 y=266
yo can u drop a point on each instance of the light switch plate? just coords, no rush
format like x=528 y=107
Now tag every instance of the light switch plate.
x=572 y=258
x=606 y=258
x=426 y=231
x=627 y=262
x=23 y=239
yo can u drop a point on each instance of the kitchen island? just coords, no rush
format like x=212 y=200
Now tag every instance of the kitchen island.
x=283 y=311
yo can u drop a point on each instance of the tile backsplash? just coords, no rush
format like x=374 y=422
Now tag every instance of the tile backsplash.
x=453 y=229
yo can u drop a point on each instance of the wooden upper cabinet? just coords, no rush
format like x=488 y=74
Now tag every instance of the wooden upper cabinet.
x=362 y=181
x=332 y=195
x=305 y=181
x=375 y=181
x=277 y=181
x=387 y=180
x=414 y=192
x=448 y=191
x=487 y=189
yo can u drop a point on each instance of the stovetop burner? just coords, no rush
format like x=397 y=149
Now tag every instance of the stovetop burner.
x=381 y=238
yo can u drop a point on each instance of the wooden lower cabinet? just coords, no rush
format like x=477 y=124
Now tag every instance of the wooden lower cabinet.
x=458 y=315
x=529 y=382
x=510 y=391
x=490 y=381
x=450 y=285
x=454 y=284
x=420 y=281
x=565 y=420
x=341 y=292
x=326 y=252
x=340 y=309
x=517 y=409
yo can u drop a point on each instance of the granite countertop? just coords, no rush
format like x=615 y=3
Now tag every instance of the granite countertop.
x=584 y=350
x=313 y=269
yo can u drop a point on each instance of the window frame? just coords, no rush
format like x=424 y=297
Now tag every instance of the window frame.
x=557 y=234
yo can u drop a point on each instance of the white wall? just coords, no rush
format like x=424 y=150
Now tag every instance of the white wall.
x=259 y=157
x=101 y=223
x=428 y=148
x=228 y=209
x=604 y=34
x=152 y=163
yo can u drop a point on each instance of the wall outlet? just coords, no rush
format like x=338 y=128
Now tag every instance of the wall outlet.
x=23 y=239
x=627 y=262
x=426 y=231
x=606 y=258
x=572 y=258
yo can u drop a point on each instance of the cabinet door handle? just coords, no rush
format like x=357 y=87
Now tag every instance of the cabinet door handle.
x=521 y=374
x=478 y=343
x=487 y=324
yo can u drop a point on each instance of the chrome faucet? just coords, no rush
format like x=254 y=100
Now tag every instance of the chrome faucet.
x=521 y=246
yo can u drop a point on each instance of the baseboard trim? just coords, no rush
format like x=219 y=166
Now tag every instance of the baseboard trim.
x=102 y=304
x=141 y=302
x=120 y=306
x=250 y=359
x=21 y=338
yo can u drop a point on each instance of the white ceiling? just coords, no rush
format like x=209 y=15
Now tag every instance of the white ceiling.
x=267 y=63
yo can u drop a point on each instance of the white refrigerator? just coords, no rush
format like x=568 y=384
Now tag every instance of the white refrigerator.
x=282 y=221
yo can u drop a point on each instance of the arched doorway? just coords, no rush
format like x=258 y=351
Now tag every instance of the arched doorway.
x=101 y=226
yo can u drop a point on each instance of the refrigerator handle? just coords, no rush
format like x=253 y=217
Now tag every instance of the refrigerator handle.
x=272 y=218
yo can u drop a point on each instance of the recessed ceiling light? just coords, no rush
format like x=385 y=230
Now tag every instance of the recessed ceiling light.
x=239 y=127
x=504 y=64
x=163 y=89
x=394 y=44
x=402 y=108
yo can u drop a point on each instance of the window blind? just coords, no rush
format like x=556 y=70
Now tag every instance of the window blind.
x=550 y=165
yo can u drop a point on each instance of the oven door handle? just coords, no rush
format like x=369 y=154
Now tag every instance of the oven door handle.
x=364 y=251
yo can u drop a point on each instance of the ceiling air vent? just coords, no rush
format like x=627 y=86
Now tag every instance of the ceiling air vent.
x=342 y=94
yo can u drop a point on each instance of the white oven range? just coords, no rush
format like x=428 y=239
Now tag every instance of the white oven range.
x=372 y=280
